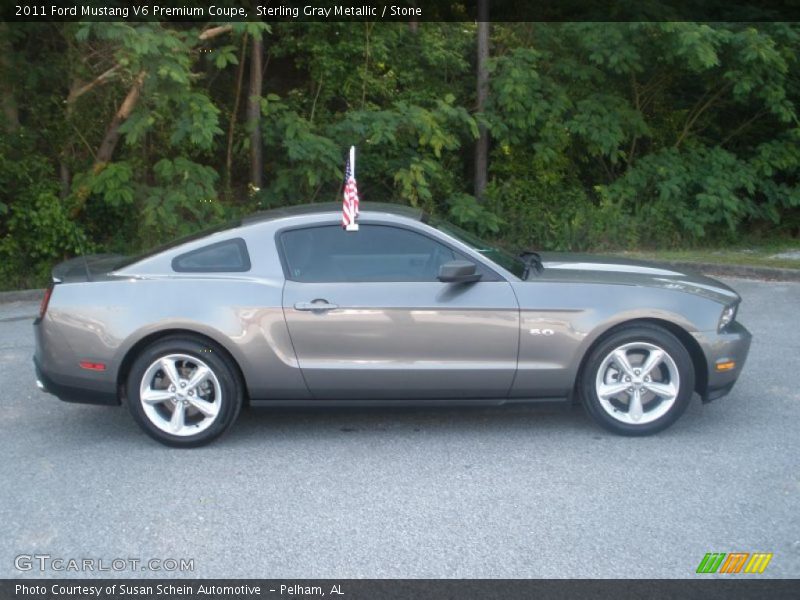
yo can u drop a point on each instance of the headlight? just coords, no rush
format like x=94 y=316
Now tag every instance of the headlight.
x=727 y=316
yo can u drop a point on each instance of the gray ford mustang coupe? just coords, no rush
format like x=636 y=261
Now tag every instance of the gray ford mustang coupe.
x=286 y=308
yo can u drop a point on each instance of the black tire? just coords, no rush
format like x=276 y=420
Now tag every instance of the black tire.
x=229 y=397
x=629 y=337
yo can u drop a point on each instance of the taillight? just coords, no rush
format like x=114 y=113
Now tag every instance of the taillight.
x=45 y=301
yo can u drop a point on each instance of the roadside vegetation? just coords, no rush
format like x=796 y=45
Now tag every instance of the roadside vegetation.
x=788 y=257
x=647 y=137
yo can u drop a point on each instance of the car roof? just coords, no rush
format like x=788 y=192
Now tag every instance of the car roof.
x=274 y=214
x=331 y=207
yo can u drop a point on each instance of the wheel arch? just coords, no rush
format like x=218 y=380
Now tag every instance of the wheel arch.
x=147 y=340
x=689 y=342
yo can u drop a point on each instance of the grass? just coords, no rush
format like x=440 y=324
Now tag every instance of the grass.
x=751 y=255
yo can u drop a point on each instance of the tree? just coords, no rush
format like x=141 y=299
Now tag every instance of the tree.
x=8 y=100
x=642 y=133
x=603 y=135
x=254 y=113
x=482 y=145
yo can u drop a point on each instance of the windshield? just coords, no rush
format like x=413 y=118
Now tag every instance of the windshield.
x=499 y=256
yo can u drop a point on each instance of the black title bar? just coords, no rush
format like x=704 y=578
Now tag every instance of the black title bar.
x=401 y=10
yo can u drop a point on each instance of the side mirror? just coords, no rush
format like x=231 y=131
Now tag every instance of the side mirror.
x=459 y=271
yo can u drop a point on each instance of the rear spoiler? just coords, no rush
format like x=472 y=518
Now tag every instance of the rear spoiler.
x=87 y=267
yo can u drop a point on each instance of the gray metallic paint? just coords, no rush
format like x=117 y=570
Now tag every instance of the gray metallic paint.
x=406 y=339
x=389 y=340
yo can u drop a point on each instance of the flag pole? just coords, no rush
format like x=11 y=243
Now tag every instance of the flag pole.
x=351 y=202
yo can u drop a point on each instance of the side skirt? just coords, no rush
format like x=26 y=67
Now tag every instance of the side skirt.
x=336 y=403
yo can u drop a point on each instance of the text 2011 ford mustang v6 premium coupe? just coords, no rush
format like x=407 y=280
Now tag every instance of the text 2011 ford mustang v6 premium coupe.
x=287 y=308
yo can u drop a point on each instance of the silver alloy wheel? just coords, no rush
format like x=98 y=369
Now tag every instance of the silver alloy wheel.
x=637 y=383
x=180 y=394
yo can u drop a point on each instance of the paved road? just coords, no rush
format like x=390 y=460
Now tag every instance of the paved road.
x=509 y=492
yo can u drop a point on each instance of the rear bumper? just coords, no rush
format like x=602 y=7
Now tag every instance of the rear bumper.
x=731 y=345
x=70 y=392
x=58 y=371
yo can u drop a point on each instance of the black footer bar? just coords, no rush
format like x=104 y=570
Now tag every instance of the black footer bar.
x=375 y=589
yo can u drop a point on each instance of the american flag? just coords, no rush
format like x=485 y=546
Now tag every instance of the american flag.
x=350 y=197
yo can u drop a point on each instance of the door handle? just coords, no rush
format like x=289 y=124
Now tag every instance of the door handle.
x=320 y=304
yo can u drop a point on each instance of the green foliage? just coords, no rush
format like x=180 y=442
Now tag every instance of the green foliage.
x=160 y=196
x=196 y=121
x=36 y=229
x=225 y=56
x=304 y=161
x=466 y=211
x=554 y=212
x=114 y=184
x=405 y=148
x=183 y=200
x=645 y=133
x=603 y=135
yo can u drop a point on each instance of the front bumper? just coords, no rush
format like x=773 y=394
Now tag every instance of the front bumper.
x=731 y=345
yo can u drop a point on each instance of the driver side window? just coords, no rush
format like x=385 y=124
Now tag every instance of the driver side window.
x=374 y=253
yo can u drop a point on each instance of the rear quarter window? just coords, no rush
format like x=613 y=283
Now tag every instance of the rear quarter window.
x=221 y=257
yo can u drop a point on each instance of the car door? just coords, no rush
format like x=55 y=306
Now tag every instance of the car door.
x=369 y=319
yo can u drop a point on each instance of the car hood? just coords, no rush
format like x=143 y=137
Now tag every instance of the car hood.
x=593 y=268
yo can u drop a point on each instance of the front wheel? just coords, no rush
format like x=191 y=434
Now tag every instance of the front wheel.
x=638 y=381
x=183 y=391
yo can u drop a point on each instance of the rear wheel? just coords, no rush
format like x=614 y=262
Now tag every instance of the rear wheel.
x=183 y=391
x=638 y=381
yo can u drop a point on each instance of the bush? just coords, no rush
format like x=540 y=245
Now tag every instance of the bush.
x=36 y=229
x=545 y=216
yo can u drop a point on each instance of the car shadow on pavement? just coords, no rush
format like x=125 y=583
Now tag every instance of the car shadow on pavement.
x=114 y=425
x=339 y=422
x=257 y=426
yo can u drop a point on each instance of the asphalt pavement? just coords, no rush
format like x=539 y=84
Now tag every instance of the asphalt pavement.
x=518 y=491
